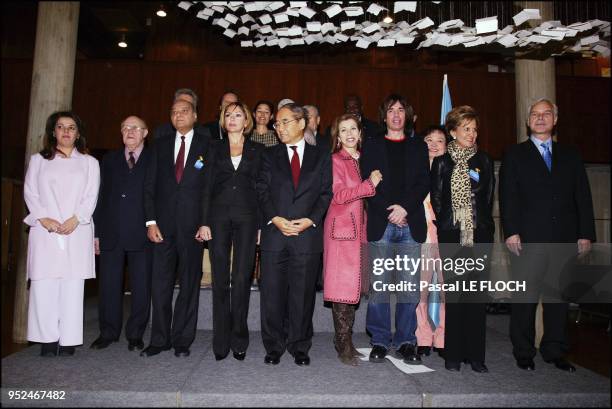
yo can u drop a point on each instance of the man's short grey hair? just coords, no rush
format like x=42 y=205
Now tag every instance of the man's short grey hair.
x=187 y=91
x=548 y=101
x=314 y=108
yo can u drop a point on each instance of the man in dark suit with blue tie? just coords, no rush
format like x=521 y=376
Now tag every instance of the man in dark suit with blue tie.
x=295 y=189
x=174 y=187
x=120 y=232
x=544 y=198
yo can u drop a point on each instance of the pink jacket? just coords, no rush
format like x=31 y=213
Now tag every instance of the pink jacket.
x=344 y=231
x=60 y=188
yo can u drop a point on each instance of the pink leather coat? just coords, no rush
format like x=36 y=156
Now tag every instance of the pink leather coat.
x=344 y=231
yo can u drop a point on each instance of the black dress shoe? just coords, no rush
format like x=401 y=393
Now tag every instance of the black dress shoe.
x=452 y=365
x=378 y=354
x=153 y=350
x=135 y=344
x=221 y=357
x=272 y=358
x=479 y=367
x=240 y=355
x=101 y=343
x=301 y=359
x=526 y=364
x=48 y=349
x=181 y=352
x=424 y=351
x=408 y=354
x=66 y=351
x=561 y=363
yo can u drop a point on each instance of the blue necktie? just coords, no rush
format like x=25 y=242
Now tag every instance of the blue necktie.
x=547 y=156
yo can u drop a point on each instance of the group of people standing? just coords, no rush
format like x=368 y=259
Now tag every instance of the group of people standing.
x=235 y=184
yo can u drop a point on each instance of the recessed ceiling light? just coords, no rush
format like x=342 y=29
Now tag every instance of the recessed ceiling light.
x=122 y=43
x=161 y=12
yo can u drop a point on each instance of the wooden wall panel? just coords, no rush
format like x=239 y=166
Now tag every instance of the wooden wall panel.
x=584 y=116
x=107 y=91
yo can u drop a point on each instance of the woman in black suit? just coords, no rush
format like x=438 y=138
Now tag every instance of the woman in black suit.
x=462 y=187
x=231 y=219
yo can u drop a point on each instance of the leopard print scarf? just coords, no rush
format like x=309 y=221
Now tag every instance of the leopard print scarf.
x=461 y=191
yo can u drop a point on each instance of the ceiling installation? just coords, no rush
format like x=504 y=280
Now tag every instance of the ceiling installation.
x=387 y=24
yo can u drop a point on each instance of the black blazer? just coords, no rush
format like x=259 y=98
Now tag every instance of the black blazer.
x=225 y=187
x=482 y=191
x=543 y=206
x=374 y=156
x=278 y=197
x=119 y=218
x=176 y=207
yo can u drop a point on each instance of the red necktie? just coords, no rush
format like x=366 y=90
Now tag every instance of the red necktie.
x=295 y=166
x=179 y=166
x=131 y=161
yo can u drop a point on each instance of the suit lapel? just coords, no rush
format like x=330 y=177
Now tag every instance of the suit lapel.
x=536 y=157
x=282 y=158
x=247 y=153
x=308 y=164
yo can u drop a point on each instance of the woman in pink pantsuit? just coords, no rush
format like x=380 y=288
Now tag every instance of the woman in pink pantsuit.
x=60 y=190
x=344 y=232
x=429 y=333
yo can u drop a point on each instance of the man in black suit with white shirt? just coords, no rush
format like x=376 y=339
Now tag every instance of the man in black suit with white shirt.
x=174 y=187
x=295 y=189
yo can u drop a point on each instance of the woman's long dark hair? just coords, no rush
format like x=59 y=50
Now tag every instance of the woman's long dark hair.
x=50 y=144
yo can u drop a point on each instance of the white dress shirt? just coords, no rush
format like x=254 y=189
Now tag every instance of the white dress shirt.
x=177 y=145
x=300 y=150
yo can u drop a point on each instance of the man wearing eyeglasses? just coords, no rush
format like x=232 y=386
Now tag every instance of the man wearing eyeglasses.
x=120 y=232
x=545 y=198
x=295 y=189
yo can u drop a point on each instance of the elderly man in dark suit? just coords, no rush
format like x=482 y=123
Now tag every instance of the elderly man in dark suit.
x=174 y=187
x=544 y=198
x=120 y=232
x=295 y=189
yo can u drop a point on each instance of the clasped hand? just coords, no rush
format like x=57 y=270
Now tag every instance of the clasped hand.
x=53 y=226
x=292 y=227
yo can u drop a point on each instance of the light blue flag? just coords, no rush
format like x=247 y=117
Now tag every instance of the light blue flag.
x=433 y=304
x=447 y=105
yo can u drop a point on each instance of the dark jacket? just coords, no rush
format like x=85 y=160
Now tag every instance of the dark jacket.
x=227 y=188
x=278 y=197
x=543 y=206
x=176 y=207
x=374 y=156
x=482 y=191
x=119 y=218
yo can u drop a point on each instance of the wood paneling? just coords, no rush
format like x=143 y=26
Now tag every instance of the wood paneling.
x=108 y=91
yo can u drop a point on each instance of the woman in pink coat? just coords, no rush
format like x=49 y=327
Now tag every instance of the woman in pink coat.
x=431 y=316
x=344 y=232
x=60 y=190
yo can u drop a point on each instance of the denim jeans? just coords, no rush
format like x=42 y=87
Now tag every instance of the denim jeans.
x=378 y=319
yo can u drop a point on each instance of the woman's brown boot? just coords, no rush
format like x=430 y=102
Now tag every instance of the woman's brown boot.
x=342 y=340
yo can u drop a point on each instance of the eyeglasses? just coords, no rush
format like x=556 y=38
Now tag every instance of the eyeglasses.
x=546 y=115
x=131 y=128
x=69 y=128
x=284 y=123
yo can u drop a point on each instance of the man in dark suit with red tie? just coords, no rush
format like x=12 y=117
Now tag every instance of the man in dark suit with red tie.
x=174 y=187
x=544 y=199
x=121 y=233
x=295 y=189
